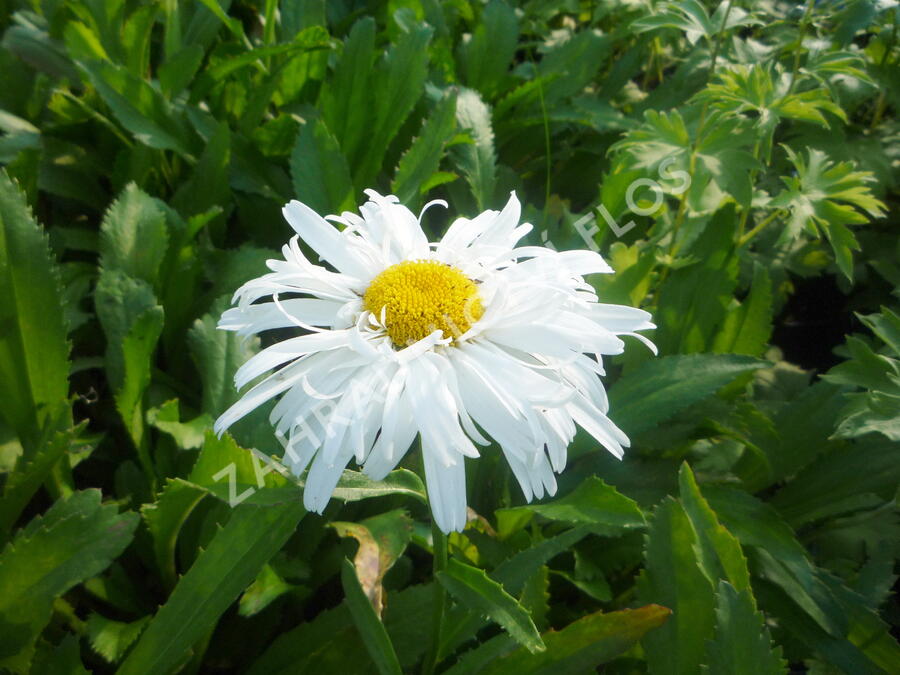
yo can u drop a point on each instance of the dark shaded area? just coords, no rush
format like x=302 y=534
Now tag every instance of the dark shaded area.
x=816 y=318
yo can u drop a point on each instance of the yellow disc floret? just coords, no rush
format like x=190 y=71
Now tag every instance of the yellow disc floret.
x=421 y=296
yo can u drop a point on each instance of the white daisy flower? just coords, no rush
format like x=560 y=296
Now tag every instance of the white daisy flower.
x=459 y=341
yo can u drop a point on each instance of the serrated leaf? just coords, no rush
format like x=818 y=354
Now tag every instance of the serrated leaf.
x=345 y=101
x=535 y=596
x=673 y=578
x=830 y=196
x=836 y=482
x=133 y=235
x=111 y=639
x=746 y=330
x=781 y=559
x=760 y=93
x=422 y=159
x=371 y=630
x=514 y=572
x=477 y=161
x=119 y=300
x=742 y=644
x=208 y=186
x=218 y=354
x=580 y=647
x=76 y=539
x=593 y=502
x=319 y=170
x=30 y=472
x=695 y=298
x=658 y=389
x=474 y=589
x=485 y=57
x=34 y=352
x=399 y=82
x=61 y=659
x=719 y=551
x=265 y=589
x=164 y=519
x=252 y=535
x=138 y=348
x=187 y=435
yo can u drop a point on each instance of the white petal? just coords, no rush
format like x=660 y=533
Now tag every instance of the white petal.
x=323 y=238
x=251 y=319
x=446 y=492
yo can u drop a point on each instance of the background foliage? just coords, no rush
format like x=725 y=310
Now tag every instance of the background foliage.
x=147 y=149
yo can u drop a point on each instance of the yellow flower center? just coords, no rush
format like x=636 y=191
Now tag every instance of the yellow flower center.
x=422 y=296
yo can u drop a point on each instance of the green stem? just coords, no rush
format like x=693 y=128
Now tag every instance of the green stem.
x=746 y=213
x=759 y=228
x=798 y=48
x=881 y=103
x=439 y=564
x=547 y=159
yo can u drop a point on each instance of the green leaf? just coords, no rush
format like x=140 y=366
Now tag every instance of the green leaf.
x=476 y=160
x=742 y=644
x=338 y=647
x=30 y=472
x=828 y=196
x=34 y=46
x=658 y=389
x=580 y=647
x=218 y=354
x=208 y=186
x=719 y=551
x=514 y=572
x=345 y=102
x=398 y=84
x=63 y=659
x=179 y=69
x=486 y=56
x=138 y=348
x=319 y=170
x=593 y=502
x=382 y=540
x=695 y=298
x=266 y=588
x=423 y=157
x=234 y=474
x=119 y=301
x=757 y=93
x=187 y=435
x=780 y=558
x=747 y=328
x=111 y=639
x=673 y=578
x=140 y=108
x=371 y=630
x=76 y=539
x=355 y=485
x=133 y=235
x=474 y=589
x=252 y=535
x=839 y=482
x=164 y=519
x=34 y=352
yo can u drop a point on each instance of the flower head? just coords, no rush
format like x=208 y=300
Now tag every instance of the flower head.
x=469 y=338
